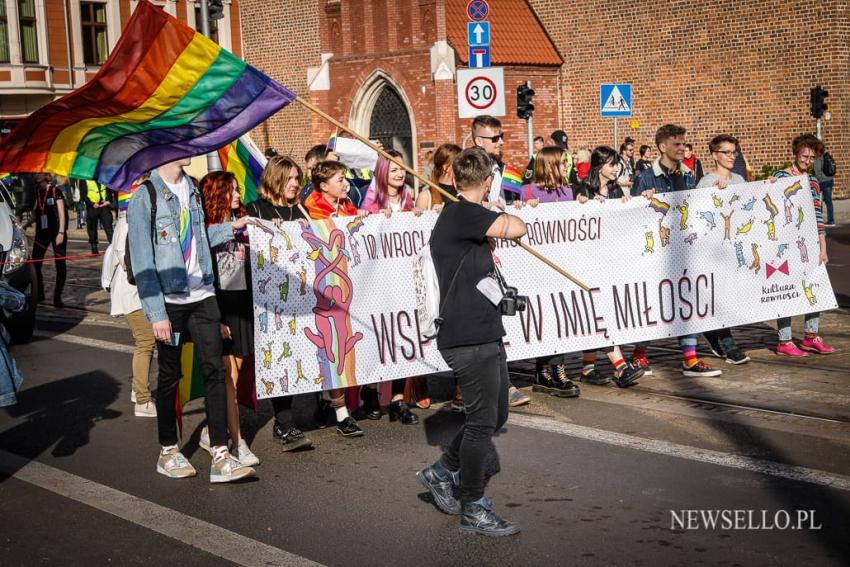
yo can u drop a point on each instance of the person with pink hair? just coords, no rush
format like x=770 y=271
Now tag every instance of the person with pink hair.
x=388 y=192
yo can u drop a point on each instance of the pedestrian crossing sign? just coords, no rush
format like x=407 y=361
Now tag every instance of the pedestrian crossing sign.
x=615 y=100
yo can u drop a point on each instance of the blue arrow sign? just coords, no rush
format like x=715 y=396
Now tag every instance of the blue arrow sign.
x=477 y=33
x=479 y=57
x=615 y=100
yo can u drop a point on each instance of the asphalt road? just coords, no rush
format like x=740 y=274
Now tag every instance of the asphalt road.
x=596 y=480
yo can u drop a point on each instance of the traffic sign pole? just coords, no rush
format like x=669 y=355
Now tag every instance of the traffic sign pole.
x=616 y=136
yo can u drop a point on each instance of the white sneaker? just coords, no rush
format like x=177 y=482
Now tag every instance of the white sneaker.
x=227 y=469
x=133 y=396
x=244 y=455
x=147 y=409
x=204 y=441
x=173 y=464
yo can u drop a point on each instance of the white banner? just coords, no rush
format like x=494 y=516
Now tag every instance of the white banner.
x=334 y=303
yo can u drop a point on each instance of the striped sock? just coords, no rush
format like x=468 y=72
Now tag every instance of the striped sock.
x=588 y=362
x=689 y=350
x=639 y=352
x=619 y=366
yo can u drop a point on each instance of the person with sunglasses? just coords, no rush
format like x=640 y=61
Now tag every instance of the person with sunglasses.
x=487 y=134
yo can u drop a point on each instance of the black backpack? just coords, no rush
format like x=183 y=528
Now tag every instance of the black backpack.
x=128 y=261
x=828 y=166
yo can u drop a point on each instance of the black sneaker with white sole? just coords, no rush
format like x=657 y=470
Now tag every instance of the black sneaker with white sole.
x=291 y=438
x=700 y=369
x=735 y=356
x=628 y=376
x=348 y=428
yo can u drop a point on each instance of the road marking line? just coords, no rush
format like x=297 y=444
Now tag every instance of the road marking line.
x=85 y=341
x=202 y=535
x=688 y=452
x=659 y=447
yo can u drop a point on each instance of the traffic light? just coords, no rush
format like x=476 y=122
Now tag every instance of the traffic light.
x=818 y=96
x=524 y=108
x=216 y=8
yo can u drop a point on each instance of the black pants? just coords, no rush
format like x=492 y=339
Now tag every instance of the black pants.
x=104 y=214
x=199 y=323
x=44 y=239
x=482 y=374
x=722 y=336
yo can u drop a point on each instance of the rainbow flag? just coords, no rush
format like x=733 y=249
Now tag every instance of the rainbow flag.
x=770 y=205
x=191 y=385
x=792 y=189
x=659 y=206
x=332 y=142
x=244 y=160
x=166 y=92
x=511 y=179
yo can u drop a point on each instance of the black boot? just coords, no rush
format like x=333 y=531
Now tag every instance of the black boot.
x=478 y=517
x=438 y=481
x=567 y=387
x=400 y=411
x=371 y=405
x=628 y=376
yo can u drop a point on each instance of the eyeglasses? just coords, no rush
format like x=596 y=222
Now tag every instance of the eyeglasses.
x=727 y=153
x=495 y=139
x=807 y=157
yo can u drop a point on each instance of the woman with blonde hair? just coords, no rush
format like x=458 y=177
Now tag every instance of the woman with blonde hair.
x=280 y=186
x=441 y=175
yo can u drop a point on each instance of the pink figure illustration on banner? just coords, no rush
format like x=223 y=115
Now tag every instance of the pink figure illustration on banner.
x=789 y=208
x=804 y=250
x=332 y=287
x=278 y=317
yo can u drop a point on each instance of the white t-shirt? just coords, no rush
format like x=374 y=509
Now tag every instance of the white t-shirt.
x=197 y=290
x=709 y=179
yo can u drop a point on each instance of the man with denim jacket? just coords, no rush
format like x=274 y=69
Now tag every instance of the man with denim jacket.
x=173 y=269
x=667 y=174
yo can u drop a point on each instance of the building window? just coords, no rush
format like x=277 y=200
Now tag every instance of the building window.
x=213 y=24
x=4 y=34
x=93 y=20
x=29 y=33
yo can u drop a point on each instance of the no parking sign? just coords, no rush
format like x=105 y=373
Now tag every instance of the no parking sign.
x=480 y=91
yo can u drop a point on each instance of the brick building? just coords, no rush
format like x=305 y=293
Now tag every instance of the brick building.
x=712 y=67
x=50 y=47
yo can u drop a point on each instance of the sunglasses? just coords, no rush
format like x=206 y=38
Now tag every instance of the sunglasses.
x=493 y=139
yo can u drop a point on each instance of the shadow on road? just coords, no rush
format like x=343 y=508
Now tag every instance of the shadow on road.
x=60 y=415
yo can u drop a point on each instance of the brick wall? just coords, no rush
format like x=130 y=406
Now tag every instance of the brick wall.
x=742 y=67
x=282 y=40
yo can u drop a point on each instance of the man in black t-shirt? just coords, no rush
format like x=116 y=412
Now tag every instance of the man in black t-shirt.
x=470 y=341
x=51 y=222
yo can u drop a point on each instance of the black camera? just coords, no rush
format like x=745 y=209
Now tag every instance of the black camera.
x=512 y=301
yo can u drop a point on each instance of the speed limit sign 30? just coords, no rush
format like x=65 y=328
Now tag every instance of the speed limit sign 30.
x=480 y=91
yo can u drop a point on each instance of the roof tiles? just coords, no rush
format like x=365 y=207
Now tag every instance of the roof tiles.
x=517 y=36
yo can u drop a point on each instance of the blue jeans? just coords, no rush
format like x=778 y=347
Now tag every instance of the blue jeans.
x=826 y=190
x=810 y=325
x=482 y=374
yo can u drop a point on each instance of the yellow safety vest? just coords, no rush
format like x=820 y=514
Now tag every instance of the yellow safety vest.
x=94 y=191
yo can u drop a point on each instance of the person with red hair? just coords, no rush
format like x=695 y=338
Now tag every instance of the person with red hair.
x=221 y=201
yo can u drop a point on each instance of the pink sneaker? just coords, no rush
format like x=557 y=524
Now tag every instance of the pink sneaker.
x=790 y=349
x=817 y=345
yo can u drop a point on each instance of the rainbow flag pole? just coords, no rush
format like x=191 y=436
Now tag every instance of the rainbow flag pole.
x=244 y=160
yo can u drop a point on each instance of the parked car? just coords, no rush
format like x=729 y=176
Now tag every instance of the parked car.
x=16 y=271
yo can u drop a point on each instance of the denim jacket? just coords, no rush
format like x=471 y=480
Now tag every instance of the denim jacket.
x=158 y=263
x=10 y=377
x=655 y=178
